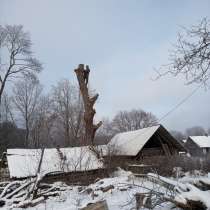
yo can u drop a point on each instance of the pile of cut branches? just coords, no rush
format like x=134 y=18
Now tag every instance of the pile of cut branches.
x=26 y=193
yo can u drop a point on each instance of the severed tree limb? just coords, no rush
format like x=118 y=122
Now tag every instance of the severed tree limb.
x=4 y=192
x=18 y=189
x=90 y=128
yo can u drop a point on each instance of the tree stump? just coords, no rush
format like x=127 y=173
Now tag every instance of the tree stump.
x=89 y=101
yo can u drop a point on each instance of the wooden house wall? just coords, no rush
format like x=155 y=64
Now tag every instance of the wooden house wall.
x=158 y=145
x=193 y=148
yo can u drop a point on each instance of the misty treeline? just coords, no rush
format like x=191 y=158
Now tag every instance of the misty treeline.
x=30 y=118
x=192 y=131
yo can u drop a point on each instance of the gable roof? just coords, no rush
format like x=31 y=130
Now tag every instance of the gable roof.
x=24 y=162
x=201 y=141
x=130 y=143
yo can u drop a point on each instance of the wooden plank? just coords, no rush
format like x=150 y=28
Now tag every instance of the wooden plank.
x=165 y=147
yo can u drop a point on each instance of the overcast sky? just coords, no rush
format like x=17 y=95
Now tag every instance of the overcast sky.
x=122 y=41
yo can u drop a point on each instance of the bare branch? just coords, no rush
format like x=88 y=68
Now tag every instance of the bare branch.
x=191 y=55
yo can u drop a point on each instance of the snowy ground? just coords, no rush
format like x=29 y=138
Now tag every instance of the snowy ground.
x=122 y=195
x=119 y=198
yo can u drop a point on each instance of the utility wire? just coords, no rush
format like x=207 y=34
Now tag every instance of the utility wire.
x=180 y=103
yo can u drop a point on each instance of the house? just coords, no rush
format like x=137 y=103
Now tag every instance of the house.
x=198 y=145
x=151 y=141
x=58 y=164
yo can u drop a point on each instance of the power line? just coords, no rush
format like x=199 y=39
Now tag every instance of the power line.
x=180 y=103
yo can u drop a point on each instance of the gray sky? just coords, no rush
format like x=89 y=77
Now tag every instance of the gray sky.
x=122 y=41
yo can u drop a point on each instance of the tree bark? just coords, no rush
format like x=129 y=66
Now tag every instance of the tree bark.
x=89 y=113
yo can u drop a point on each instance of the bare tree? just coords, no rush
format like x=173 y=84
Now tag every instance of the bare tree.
x=26 y=96
x=195 y=131
x=191 y=55
x=6 y=111
x=16 y=58
x=209 y=131
x=43 y=123
x=69 y=110
x=132 y=120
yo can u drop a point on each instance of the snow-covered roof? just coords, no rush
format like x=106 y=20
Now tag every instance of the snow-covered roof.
x=201 y=141
x=130 y=143
x=24 y=162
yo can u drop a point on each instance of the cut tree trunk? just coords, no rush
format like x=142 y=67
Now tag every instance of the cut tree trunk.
x=89 y=101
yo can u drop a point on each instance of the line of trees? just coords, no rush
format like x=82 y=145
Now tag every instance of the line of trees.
x=57 y=118
x=192 y=131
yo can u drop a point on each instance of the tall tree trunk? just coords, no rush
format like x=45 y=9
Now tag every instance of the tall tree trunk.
x=90 y=128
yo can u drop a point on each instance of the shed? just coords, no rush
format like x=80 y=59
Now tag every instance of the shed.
x=198 y=145
x=23 y=163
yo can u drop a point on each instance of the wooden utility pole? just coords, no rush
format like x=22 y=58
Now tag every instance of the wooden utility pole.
x=89 y=101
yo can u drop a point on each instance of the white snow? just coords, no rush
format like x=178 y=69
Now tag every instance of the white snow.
x=201 y=141
x=187 y=191
x=184 y=140
x=194 y=194
x=120 y=198
x=24 y=162
x=130 y=143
